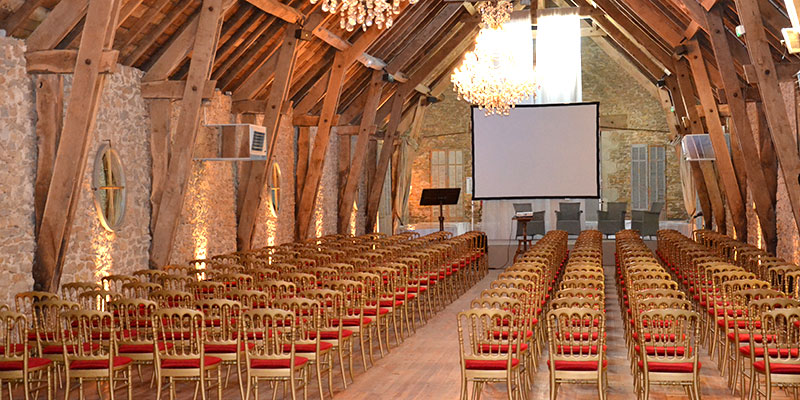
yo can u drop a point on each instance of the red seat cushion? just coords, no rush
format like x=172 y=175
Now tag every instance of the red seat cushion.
x=745 y=337
x=307 y=347
x=514 y=334
x=579 y=349
x=118 y=361
x=777 y=368
x=278 y=363
x=493 y=365
x=225 y=348
x=577 y=365
x=492 y=348
x=668 y=367
x=759 y=352
x=353 y=321
x=374 y=311
x=392 y=303
x=403 y=296
x=175 y=363
x=143 y=348
x=742 y=323
x=57 y=349
x=17 y=365
x=17 y=348
x=662 y=350
x=331 y=335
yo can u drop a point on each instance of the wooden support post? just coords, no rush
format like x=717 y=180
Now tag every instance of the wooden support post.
x=350 y=184
x=71 y=158
x=343 y=164
x=243 y=167
x=376 y=187
x=723 y=160
x=180 y=160
x=408 y=150
x=315 y=165
x=748 y=148
x=159 y=151
x=774 y=106
x=278 y=97
x=710 y=199
x=49 y=117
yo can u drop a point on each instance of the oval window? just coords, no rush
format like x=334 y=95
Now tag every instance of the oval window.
x=275 y=187
x=108 y=183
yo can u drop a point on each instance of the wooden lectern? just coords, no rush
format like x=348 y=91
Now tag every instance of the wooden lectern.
x=522 y=244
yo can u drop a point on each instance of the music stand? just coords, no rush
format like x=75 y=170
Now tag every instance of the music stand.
x=440 y=197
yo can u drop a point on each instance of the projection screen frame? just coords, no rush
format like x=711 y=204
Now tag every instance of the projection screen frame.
x=597 y=148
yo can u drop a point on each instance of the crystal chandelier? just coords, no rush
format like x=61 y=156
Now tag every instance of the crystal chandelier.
x=491 y=77
x=363 y=12
x=495 y=13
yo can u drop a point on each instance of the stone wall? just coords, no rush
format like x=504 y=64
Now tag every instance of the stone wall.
x=208 y=218
x=18 y=141
x=788 y=237
x=620 y=94
x=323 y=220
x=123 y=122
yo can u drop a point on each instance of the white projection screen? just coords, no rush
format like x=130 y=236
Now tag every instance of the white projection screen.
x=538 y=151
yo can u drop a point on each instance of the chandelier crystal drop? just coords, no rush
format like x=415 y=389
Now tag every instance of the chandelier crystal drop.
x=495 y=13
x=364 y=13
x=491 y=77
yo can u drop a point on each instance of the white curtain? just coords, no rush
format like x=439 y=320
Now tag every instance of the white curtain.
x=558 y=55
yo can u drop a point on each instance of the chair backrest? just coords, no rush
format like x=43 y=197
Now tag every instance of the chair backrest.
x=656 y=206
x=172 y=298
x=24 y=301
x=133 y=319
x=782 y=327
x=250 y=299
x=139 y=290
x=332 y=304
x=594 y=303
x=88 y=334
x=522 y=207
x=222 y=319
x=477 y=345
x=206 y=289
x=47 y=322
x=272 y=331
x=303 y=281
x=616 y=208
x=668 y=336
x=311 y=312
x=277 y=289
x=177 y=282
x=184 y=329
x=576 y=334
x=71 y=290
x=14 y=338
x=113 y=283
x=570 y=210
x=581 y=292
x=97 y=299
x=582 y=284
x=149 y=275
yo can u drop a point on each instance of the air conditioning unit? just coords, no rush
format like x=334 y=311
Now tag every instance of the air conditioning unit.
x=235 y=142
x=698 y=147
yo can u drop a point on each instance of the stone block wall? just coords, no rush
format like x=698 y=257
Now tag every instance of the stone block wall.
x=18 y=143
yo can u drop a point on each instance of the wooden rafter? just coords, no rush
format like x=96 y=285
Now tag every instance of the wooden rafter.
x=180 y=161
x=71 y=157
x=272 y=114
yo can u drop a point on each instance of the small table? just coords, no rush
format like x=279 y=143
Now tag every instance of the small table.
x=522 y=244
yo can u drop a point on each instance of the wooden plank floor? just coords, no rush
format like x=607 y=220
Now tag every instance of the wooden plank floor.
x=425 y=366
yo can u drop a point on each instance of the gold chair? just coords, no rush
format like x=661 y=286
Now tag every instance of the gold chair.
x=487 y=358
x=86 y=357
x=134 y=332
x=185 y=359
x=576 y=338
x=16 y=365
x=331 y=326
x=272 y=356
x=222 y=318
x=781 y=355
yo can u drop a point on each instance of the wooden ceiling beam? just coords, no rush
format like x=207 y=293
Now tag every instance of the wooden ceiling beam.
x=357 y=164
x=206 y=36
x=63 y=61
x=76 y=135
x=253 y=189
x=742 y=130
x=124 y=40
x=177 y=50
x=423 y=37
x=280 y=10
x=14 y=22
x=656 y=20
x=59 y=22
x=152 y=36
x=772 y=99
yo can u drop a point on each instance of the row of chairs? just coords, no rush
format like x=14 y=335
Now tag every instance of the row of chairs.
x=751 y=324
x=662 y=329
x=316 y=298
x=500 y=336
x=576 y=329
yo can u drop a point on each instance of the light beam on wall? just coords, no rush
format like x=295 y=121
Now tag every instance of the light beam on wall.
x=558 y=55
x=102 y=243
x=319 y=213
